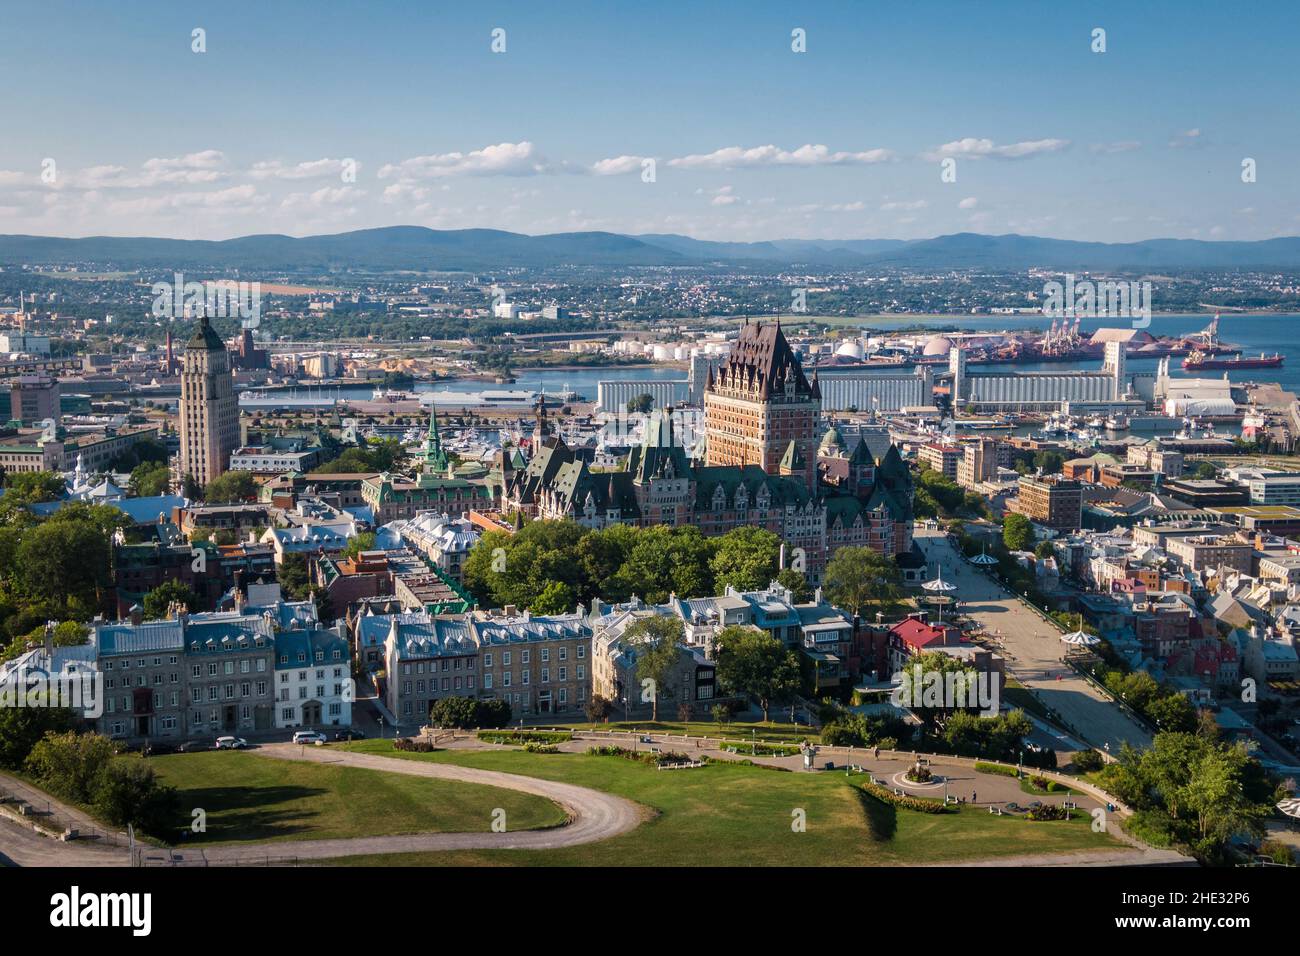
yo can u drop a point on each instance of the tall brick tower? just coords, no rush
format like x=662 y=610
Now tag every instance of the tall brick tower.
x=760 y=409
x=208 y=409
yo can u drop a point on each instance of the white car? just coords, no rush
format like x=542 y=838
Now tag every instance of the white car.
x=309 y=737
x=231 y=743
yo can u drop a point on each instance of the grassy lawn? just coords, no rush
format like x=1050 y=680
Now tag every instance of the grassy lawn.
x=261 y=798
x=727 y=814
x=1063 y=790
x=773 y=730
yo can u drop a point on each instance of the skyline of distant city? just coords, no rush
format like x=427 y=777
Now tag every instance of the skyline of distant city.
x=296 y=120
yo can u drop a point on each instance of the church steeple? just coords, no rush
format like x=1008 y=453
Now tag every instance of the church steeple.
x=436 y=461
x=543 y=428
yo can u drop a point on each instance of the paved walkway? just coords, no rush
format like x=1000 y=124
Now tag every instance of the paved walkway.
x=1033 y=649
x=593 y=815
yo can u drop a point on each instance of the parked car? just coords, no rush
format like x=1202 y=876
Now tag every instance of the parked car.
x=309 y=737
x=349 y=735
x=231 y=743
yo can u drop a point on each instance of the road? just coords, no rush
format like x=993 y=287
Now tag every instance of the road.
x=1032 y=648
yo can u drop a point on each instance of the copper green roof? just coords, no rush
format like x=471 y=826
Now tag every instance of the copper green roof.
x=205 y=337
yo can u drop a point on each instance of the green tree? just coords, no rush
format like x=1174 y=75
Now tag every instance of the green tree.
x=293 y=576
x=654 y=641
x=598 y=708
x=157 y=600
x=230 y=487
x=797 y=583
x=1206 y=471
x=22 y=727
x=857 y=578
x=127 y=791
x=68 y=764
x=365 y=541
x=746 y=559
x=64 y=563
x=1017 y=532
x=755 y=664
x=556 y=598
x=30 y=487
x=149 y=479
x=641 y=403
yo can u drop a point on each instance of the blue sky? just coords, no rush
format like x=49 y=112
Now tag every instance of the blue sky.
x=750 y=140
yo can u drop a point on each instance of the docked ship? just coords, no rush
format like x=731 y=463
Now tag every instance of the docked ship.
x=1201 y=362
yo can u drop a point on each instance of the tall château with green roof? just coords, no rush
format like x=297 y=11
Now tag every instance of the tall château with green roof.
x=765 y=465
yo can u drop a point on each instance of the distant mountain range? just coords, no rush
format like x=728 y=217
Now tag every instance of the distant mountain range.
x=419 y=249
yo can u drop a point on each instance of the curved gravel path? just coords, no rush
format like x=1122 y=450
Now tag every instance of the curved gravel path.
x=593 y=815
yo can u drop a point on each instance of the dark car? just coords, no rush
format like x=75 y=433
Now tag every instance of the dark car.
x=349 y=735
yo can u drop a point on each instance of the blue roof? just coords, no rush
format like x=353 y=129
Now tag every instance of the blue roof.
x=290 y=644
x=148 y=510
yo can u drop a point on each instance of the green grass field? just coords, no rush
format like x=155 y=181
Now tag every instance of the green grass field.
x=248 y=797
x=728 y=814
x=777 y=731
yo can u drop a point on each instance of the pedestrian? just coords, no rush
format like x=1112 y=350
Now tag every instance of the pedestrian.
x=974 y=797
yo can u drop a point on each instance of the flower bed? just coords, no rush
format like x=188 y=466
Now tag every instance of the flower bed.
x=652 y=757
x=1048 y=811
x=920 y=804
x=518 y=737
x=760 y=749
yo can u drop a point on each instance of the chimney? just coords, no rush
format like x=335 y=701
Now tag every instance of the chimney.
x=49 y=640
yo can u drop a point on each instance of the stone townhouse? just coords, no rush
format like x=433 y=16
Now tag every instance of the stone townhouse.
x=691 y=684
x=313 y=679
x=539 y=663
x=145 y=682
x=426 y=661
x=231 y=668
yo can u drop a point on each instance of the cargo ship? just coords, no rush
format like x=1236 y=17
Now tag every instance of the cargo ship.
x=1201 y=362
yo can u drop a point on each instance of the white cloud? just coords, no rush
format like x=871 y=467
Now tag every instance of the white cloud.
x=312 y=169
x=738 y=157
x=200 y=167
x=325 y=196
x=897 y=206
x=972 y=148
x=618 y=165
x=503 y=159
x=231 y=197
x=970 y=202
x=1122 y=146
x=1189 y=137
x=724 y=197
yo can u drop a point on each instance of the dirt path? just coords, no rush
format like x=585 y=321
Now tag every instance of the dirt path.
x=593 y=815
